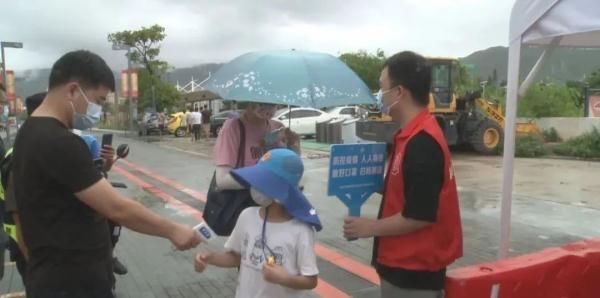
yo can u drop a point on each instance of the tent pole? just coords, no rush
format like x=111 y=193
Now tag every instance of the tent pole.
x=514 y=59
x=535 y=70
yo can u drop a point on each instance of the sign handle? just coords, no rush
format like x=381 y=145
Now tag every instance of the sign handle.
x=354 y=202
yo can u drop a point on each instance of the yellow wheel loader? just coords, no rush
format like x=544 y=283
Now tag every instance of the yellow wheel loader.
x=466 y=120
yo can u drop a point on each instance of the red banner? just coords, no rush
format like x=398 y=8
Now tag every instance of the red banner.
x=595 y=106
x=10 y=85
x=125 y=83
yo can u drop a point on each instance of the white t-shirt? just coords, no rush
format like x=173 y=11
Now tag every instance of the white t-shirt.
x=292 y=243
x=196 y=118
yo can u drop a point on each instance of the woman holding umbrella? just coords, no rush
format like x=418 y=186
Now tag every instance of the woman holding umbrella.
x=257 y=133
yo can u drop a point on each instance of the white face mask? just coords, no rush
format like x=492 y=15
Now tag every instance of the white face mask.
x=259 y=198
x=90 y=118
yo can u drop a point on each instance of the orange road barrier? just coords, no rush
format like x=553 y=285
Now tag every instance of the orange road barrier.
x=568 y=271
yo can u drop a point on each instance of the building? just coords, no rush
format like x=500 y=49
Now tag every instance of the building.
x=203 y=98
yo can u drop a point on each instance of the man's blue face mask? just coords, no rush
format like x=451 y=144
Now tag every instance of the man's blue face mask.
x=382 y=107
x=90 y=118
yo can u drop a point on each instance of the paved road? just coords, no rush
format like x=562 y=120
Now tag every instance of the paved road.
x=172 y=183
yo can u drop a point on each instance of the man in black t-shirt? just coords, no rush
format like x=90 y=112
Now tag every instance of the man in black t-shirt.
x=63 y=200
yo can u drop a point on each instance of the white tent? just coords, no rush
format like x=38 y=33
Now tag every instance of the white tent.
x=549 y=24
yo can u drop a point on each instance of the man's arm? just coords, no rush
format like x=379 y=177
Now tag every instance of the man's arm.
x=423 y=171
x=397 y=225
x=131 y=214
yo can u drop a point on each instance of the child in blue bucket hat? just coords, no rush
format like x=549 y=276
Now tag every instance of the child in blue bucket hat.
x=273 y=244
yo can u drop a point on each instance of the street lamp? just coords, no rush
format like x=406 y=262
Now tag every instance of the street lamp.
x=14 y=45
x=122 y=47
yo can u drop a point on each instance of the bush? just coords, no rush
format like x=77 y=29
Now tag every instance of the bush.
x=584 y=146
x=529 y=146
x=551 y=136
x=549 y=100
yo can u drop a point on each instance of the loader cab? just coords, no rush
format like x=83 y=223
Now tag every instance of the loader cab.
x=442 y=98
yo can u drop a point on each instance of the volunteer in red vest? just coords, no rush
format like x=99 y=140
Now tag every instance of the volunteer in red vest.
x=418 y=230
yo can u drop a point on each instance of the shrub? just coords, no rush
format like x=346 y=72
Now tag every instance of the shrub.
x=551 y=136
x=584 y=146
x=529 y=146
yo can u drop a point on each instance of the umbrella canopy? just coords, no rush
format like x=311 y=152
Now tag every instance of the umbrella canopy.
x=290 y=77
x=548 y=23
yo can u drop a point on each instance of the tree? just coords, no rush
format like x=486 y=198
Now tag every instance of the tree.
x=165 y=94
x=576 y=90
x=145 y=48
x=366 y=65
x=594 y=80
x=549 y=100
x=145 y=44
x=463 y=82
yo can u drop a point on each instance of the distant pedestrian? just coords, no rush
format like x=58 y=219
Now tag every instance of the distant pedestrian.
x=188 y=121
x=206 y=114
x=196 y=118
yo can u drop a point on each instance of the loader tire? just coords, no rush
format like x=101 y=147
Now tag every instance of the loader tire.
x=487 y=138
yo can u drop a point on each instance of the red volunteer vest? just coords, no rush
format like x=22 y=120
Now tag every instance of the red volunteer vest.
x=438 y=245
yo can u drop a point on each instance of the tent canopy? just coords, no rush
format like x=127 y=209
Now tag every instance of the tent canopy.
x=547 y=23
x=538 y=22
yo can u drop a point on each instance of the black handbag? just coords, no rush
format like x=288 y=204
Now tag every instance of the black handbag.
x=223 y=207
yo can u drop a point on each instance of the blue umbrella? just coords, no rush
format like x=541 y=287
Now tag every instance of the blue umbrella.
x=290 y=77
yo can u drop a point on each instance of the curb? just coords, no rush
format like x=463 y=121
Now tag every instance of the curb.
x=558 y=157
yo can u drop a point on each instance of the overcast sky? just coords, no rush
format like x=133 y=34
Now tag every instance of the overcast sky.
x=200 y=31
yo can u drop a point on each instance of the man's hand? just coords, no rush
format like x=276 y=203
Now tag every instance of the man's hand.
x=108 y=154
x=275 y=274
x=358 y=227
x=184 y=237
x=201 y=261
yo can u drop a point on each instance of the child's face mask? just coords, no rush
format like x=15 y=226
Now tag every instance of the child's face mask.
x=259 y=198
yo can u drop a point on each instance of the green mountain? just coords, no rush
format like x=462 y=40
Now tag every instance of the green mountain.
x=563 y=65
x=32 y=81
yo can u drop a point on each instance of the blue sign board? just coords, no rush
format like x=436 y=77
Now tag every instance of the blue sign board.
x=355 y=173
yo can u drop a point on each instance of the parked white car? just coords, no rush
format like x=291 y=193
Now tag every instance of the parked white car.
x=303 y=120
x=347 y=112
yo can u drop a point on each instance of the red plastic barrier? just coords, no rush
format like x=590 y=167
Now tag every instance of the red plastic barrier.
x=569 y=271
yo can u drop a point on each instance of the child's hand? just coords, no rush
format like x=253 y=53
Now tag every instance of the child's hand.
x=275 y=274
x=201 y=261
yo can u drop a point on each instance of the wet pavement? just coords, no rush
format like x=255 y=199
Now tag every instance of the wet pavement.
x=555 y=202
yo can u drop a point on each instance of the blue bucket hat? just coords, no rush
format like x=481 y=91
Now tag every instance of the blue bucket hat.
x=277 y=175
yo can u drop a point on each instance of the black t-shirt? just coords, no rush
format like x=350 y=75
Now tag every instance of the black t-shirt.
x=423 y=174
x=69 y=242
